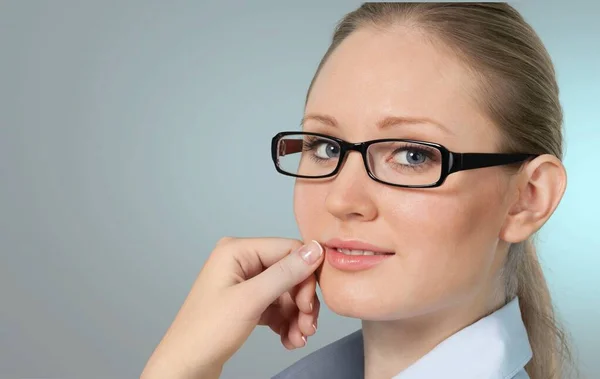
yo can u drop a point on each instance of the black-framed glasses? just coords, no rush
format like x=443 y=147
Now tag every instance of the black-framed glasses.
x=396 y=162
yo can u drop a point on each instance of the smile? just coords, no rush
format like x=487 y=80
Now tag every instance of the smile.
x=353 y=255
x=360 y=252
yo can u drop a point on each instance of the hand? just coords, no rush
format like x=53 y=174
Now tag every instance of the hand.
x=244 y=283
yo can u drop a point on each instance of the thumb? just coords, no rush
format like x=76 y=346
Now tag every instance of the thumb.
x=283 y=275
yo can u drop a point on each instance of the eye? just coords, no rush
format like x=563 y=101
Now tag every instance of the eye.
x=327 y=150
x=410 y=157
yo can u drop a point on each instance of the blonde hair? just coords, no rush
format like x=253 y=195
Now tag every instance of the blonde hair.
x=520 y=94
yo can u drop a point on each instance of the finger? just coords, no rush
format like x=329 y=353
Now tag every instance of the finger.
x=282 y=275
x=273 y=309
x=305 y=294
x=305 y=324
x=253 y=255
x=278 y=313
x=235 y=260
x=308 y=322
x=317 y=311
x=285 y=340
x=295 y=334
x=272 y=318
x=287 y=306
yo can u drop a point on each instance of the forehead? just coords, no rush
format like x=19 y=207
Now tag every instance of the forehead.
x=375 y=74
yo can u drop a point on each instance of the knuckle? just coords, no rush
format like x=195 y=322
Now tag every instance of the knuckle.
x=284 y=269
x=223 y=245
x=296 y=244
x=225 y=240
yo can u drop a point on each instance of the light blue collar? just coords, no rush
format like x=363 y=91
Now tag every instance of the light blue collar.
x=495 y=347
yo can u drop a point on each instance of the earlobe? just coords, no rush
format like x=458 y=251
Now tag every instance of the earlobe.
x=540 y=187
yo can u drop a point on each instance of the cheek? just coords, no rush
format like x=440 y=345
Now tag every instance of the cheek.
x=309 y=200
x=439 y=222
x=446 y=243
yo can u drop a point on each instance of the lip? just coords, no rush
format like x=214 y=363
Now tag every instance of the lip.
x=354 y=245
x=345 y=262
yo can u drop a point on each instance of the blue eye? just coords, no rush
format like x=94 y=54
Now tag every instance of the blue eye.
x=410 y=157
x=327 y=150
x=322 y=149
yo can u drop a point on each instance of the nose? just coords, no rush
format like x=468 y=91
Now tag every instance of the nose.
x=348 y=197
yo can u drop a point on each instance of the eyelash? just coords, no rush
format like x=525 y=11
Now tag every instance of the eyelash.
x=313 y=142
x=430 y=154
x=310 y=144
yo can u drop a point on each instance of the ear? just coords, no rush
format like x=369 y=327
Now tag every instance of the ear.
x=540 y=187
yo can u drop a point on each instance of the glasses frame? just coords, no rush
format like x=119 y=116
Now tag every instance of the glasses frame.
x=451 y=161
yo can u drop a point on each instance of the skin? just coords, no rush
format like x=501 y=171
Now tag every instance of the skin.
x=450 y=242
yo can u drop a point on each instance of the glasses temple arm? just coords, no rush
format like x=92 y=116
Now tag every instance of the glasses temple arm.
x=289 y=146
x=469 y=161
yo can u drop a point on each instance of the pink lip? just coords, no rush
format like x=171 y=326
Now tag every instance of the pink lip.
x=355 y=245
x=345 y=262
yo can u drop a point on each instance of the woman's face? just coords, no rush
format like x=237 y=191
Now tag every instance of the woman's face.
x=445 y=240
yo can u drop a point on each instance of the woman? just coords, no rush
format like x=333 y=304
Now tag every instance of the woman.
x=431 y=248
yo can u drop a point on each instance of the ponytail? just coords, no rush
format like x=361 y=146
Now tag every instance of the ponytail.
x=524 y=278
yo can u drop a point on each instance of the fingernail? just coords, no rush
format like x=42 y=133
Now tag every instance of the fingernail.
x=314 y=327
x=311 y=252
x=304 y=339
x=311 y=306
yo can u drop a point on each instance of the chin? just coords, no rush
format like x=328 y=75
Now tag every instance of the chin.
x=363 y=295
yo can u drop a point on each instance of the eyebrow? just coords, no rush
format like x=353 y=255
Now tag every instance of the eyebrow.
x=381 y=124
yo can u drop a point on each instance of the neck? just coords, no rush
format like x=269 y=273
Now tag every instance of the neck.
x=392 y=346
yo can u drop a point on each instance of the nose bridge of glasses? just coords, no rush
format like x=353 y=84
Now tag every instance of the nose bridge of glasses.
x=346 y=147
x=360 y=147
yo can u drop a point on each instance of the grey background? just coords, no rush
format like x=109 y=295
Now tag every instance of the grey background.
x=134 y=134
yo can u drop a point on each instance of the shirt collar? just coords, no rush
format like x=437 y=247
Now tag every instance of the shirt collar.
x=495 y=347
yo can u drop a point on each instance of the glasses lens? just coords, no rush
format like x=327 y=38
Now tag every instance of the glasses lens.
x=307 y=155
x=405 y=163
